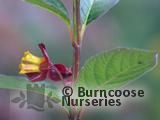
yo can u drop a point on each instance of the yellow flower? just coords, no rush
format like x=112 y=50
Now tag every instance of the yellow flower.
x=39 y=68
x=30 y=63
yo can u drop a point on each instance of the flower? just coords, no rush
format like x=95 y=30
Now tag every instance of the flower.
x=30 y=63
x=40 y=68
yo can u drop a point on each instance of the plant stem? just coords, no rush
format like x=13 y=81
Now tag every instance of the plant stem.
x=75 y=35
x=76 y=58
x=76 y=21
x=76 y=43
x=75 y=116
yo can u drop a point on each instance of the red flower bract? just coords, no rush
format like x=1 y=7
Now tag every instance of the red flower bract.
x=44 y=68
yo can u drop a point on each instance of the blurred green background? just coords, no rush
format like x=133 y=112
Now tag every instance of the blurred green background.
x=132 y=23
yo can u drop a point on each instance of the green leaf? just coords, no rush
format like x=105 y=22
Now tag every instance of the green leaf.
x=116 y=67
x=54 y=6
x=20 y=83
x=92 y=9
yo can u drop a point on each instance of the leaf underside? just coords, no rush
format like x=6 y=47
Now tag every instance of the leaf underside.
x=92 y=9
x=20 y=83
x=115 y=68
x=54 y=6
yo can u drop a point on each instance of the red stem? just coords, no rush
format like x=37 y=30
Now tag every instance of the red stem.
x=76 y=43
x=75 y=35
x=76 y=38
x=76 y=63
